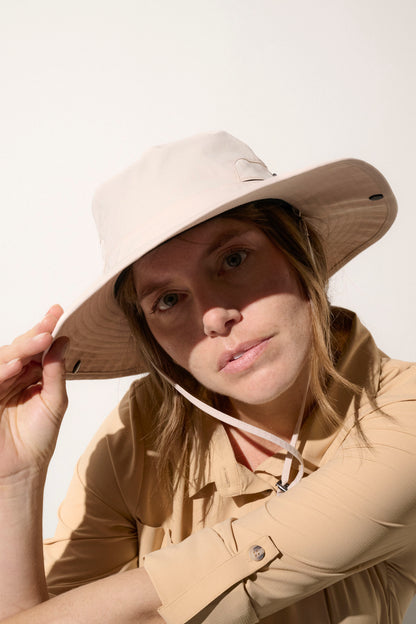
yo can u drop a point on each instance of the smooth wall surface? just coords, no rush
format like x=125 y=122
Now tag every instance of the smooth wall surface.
x=88 y=85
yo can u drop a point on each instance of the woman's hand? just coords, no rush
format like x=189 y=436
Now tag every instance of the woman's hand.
x=32 y=400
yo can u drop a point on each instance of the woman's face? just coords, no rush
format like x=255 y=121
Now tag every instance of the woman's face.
x=226 y=305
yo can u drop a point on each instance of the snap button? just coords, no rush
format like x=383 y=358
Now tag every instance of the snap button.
x=257 y=553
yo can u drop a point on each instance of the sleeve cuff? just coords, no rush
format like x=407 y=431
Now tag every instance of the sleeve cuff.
x=189 y=576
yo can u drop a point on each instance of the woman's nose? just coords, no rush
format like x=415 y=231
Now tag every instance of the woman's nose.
x=219 y=321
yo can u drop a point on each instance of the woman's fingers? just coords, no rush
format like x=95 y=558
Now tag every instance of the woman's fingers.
x=10 y=369
x=24 y=349
x=49 y=321
x=29 y=375
x=29 y=345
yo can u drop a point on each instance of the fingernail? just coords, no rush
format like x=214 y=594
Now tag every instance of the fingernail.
x=12 y=362
x=40 y=337
x=51 y=312
x=48 y=313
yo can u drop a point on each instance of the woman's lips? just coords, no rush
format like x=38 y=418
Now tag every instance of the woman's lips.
x=243 y=356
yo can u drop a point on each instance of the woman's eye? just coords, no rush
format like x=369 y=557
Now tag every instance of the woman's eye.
x=234 y=259
x=167 y=301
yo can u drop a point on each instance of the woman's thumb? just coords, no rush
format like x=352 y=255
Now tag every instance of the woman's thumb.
x=53 y=381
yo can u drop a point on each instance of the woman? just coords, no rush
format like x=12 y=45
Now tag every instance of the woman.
x=218 y=269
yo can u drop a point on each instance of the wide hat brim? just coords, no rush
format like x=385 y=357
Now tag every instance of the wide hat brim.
x=348 y=202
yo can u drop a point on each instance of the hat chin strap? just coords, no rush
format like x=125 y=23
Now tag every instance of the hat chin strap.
x=290 y=447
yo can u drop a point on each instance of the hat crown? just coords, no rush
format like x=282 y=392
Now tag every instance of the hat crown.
x=158 y=190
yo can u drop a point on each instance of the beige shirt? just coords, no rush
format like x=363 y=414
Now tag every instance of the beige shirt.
x=340 y=547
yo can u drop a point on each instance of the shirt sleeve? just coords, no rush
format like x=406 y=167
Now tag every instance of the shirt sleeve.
x=97 y=532
x=355 y=511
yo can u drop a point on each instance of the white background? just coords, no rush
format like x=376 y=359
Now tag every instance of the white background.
x=88 y=85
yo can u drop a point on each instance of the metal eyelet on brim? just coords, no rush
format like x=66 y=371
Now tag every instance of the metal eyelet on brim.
x=376 y=197
x=76 y=367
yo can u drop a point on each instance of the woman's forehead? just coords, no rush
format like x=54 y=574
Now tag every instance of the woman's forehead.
x=213 y=230
x=210 y=235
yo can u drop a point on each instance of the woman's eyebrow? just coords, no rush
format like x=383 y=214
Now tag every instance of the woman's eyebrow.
x=218 y=241
x=153 y=286
x=223 y=239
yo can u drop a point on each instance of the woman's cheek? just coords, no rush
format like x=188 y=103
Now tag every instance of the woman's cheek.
x=183 y=346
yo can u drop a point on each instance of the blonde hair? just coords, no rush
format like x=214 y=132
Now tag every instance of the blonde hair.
x=176 y=428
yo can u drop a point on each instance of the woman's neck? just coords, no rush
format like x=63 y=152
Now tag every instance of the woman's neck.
x=249 y=450
x=279 y=417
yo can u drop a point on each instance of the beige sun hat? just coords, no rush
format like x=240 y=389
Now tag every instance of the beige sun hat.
x=178 y=185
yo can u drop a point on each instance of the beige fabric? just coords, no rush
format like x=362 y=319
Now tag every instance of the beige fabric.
x=339 y=548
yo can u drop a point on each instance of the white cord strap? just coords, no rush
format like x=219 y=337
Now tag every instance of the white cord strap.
x=294 y=440
x=239 y=424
